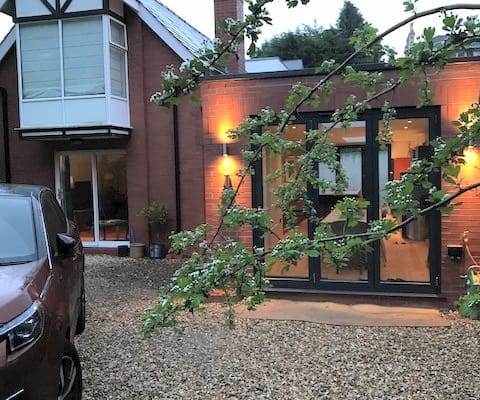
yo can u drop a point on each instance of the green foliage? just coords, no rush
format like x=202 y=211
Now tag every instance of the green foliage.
x=218 y=262
x=154 y=213
x=315 y=45
x=469 y=304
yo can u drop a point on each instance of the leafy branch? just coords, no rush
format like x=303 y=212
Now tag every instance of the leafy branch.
x=224 y=264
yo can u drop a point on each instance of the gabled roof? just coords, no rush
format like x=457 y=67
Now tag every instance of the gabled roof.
x=7 y=43
x=179 y=35
x=169 y=25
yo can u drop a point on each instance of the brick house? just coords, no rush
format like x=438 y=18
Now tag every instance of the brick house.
x=76 y=77
x=136 y=152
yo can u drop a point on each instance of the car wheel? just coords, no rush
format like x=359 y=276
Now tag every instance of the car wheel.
x=83 y=312
x=70 y=374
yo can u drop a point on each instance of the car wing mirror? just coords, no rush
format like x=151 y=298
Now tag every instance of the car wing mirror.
x=65 y=245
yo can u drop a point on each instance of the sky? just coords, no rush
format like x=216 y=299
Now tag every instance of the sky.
x=382 y=14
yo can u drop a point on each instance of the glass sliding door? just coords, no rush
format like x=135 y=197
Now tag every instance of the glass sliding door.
x=351 y=154
x=112 y=197
x=76 y=192
x=409 y=261
x=404 y=257
x=272 y=162
x=92 y=190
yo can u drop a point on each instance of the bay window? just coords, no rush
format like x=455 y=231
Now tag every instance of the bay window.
x=73 y=72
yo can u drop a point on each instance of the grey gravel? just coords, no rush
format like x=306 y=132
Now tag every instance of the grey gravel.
x=259 y=359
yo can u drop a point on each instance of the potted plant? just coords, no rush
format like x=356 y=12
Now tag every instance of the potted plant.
x=156 y=215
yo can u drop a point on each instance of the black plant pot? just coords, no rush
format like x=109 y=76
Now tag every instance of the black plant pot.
x=157 y=250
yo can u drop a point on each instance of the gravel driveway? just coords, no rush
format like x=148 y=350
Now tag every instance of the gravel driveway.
x=260 y=359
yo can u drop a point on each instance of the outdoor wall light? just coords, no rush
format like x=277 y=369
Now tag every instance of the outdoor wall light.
x=227 y=183
x=455 y=251
x=225 y=149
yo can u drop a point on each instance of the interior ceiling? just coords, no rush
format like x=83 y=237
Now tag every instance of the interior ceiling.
x=407 y=130
x=404 y=130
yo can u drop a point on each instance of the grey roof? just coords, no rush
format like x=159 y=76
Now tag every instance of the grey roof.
x=190 y=37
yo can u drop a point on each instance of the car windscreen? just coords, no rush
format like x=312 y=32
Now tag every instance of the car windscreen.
x=17 y=231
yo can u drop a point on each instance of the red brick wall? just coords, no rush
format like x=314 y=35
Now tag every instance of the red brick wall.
x=229 y=101
x=455 y=90
x=151 y=168
x=31 y=162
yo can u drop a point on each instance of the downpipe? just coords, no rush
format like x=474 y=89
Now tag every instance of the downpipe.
x=6 y=138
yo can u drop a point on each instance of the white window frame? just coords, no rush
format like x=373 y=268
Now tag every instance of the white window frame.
x=120 y=48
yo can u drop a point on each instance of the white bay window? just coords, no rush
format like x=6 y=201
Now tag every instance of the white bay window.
x=73 y=73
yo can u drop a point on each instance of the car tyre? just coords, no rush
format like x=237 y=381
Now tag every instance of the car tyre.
x=70 y=374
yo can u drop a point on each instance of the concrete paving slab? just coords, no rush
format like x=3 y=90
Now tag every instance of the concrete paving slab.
x=345 y=314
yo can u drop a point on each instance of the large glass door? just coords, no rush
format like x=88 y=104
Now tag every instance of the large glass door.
x=350 y=144
x=271 y=163
x=409 y=260
x=92 y=189
x=408 y=256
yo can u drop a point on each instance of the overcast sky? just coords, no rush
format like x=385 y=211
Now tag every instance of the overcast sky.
x=380 y=13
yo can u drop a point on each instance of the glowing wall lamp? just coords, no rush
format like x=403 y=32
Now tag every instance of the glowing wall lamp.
x=226 y=166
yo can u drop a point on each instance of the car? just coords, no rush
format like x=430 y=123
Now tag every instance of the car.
x=42 y=296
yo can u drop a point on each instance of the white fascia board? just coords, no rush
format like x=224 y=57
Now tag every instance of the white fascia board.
x=164 y=34
x=7 y=43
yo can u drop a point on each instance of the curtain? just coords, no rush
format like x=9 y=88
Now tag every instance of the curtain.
x=40 y=60
x=118 y=73
x=83 y=57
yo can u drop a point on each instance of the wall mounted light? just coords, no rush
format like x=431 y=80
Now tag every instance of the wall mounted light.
x=224 y=149
x=227 y=183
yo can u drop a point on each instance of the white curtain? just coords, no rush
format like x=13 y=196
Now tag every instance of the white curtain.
x=351 y=160
x=382 y=174
x=83 y=57
x=40 y=60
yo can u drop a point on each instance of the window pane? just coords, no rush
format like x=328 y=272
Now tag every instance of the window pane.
x=83 y=57
x=350 y=143
x=271 y=162
x=404 y=255
x=17 y=231
x=117 y=73
x=112 y=196
x=77 y=188
x=40 y=60
x=117 y=34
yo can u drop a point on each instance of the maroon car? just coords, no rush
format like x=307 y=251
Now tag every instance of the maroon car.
x=42 y=300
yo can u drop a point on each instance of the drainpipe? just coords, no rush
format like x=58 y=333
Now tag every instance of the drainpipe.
x=176 y=158
x=6 y=139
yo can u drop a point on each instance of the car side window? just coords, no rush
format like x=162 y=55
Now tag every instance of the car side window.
x=55 y=221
